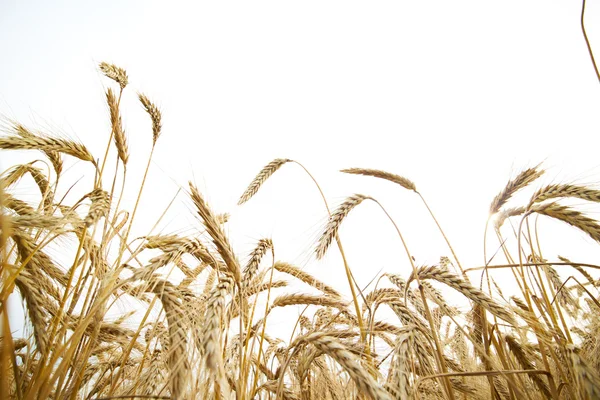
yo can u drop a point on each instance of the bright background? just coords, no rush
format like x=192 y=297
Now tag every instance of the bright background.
x=457 y=96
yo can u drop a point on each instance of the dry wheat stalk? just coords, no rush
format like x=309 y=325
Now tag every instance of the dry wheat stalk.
x=335 y=220
x=155 y=116
x=262 y=176
x=405 y=183
x=115 y=73
x=117 y=126
x=513 y=186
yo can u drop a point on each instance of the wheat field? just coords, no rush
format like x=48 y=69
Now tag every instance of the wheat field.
x=199 y=327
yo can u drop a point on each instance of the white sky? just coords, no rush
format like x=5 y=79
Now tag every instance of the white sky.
x=457 y=96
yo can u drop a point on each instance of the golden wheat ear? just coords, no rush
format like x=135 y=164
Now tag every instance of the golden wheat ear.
x=522 y=180
x=115 y=73
x=261 y=178
x=400 y=180
x=335 y=221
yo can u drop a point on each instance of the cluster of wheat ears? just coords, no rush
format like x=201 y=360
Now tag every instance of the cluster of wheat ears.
x=207 y=334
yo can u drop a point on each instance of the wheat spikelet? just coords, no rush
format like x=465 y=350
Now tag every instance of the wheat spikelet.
x=565 y=298
x=178 y=359
x=47 y=144
x=217 y=234
x=210 y=342
x=307 y=299
x=364 y=381
x=53 y=156
x=524 y=358
x=285 y=393
x=304 y=277
x=99 y=207
x=16 y=173
x=513 y=186
x=410 y=295
x=117 y=126
x=400 y=383
x=262 y=176
x=335 y=221
x=255 y=258
x=504 y=214
x=564 y=190
x=454 y=281
x=581 y=270
x=115 y=73
x=155 y=116
x=586 y=376
x=34 y=299
x=18 y=206
x=405 y=183
x=570 y=216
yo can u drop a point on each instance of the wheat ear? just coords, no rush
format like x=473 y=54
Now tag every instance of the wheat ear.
x=513 y=186
x=262 y=176
x=335 y=221
x=454 y=281
x=155 y=116
x=351 y=364
x=115 y=73
x=117 y=126
x=570 y=216
x=400 y=180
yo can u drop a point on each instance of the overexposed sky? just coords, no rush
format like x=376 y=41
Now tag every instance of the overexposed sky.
x=457 y=96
